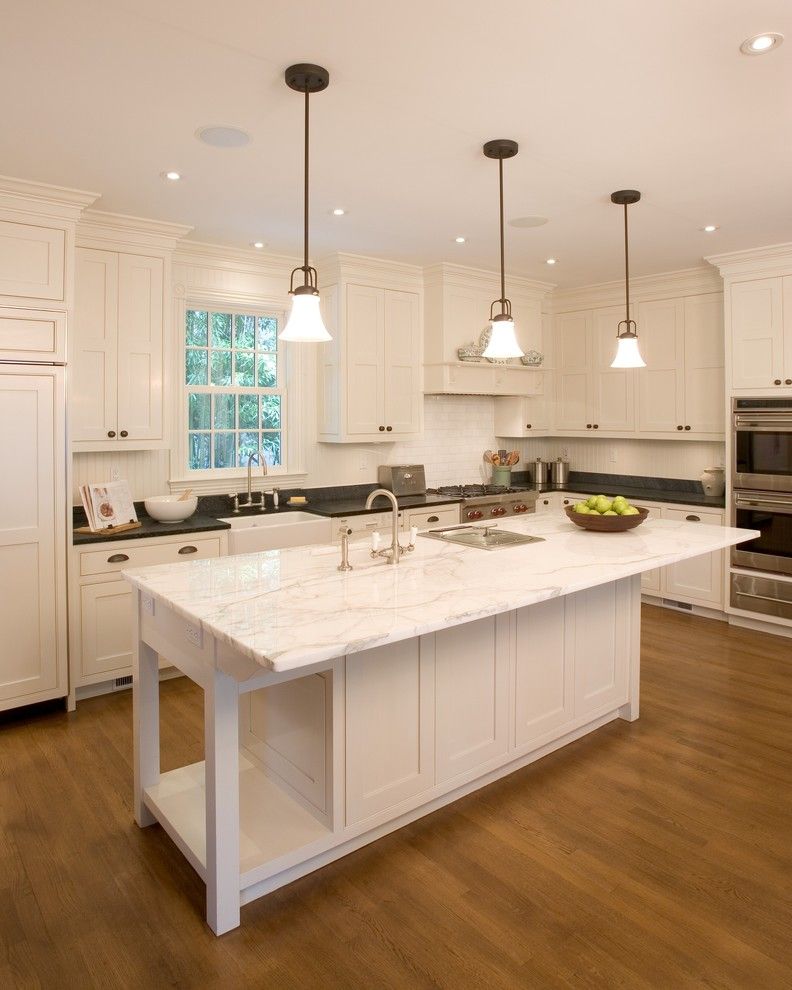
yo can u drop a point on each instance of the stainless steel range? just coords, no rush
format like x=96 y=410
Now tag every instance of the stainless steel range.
x=488 y=501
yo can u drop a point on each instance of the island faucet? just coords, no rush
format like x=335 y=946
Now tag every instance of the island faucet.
x=394 y=551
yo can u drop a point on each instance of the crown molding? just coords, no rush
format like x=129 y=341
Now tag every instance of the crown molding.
x=98 y=229
x=43 y=200
x=247 y=261
x=448 y=273
x=665 y=285
x=343 y=265
x=772 y=259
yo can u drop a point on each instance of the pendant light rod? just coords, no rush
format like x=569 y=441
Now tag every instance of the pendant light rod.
x=625 y=198
x=305 y=189
x=628 y=354
x=501 y=148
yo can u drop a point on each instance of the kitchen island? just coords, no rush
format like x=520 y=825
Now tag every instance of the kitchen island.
x=341 y=705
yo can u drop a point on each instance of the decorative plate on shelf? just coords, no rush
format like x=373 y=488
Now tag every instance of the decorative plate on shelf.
x=470 y=352
x=532 y=359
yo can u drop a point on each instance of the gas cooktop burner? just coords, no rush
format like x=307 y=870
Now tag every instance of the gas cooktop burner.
x=471 y=491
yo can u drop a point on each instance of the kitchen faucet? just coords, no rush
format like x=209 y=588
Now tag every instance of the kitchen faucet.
x=395 y=550
x=263 y=462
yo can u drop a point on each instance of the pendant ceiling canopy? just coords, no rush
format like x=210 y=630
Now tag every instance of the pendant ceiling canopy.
x=305 y=323
x=503 y=341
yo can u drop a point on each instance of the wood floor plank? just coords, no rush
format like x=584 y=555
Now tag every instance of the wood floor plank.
x=654 y=855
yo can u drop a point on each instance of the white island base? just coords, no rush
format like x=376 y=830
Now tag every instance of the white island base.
x=306 y=764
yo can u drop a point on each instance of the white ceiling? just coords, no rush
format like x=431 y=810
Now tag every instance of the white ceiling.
x=105 y=94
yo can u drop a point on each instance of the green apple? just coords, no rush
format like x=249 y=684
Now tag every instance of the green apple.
x=610 y=512
x=630 y=511
x=620 y=500
x=583 y=509
x=603 y=504
x=591 y=502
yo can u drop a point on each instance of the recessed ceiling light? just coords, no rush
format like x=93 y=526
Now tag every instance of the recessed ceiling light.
x=710 y=228
x=760 y=44
x=257 y=244
x=528 y=222
x=551 y=261
x=339 y=211
x=171 y=176
x=223 y=137
x=460 y=240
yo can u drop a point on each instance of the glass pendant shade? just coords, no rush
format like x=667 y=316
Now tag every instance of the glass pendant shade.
x=305 y=324
x=628 y=355
x=503 y=341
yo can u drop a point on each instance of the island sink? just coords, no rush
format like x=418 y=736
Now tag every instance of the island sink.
x=481 y=537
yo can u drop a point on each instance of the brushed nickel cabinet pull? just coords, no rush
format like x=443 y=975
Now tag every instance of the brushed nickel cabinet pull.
x=184 y=550
x=117 y=558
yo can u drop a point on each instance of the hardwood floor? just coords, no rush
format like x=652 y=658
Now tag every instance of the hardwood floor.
x=656 y=854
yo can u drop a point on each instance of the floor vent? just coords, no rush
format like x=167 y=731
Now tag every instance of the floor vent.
x=685 y=605
x=122 y=682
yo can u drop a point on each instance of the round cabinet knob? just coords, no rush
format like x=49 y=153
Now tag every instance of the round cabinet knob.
x=777 y=381
x=388 y=428
x=596 y=426
x=527 y=426
x=588 y=426
x=788 y=381
x=687 y=427
x=111 y=433
x=124 y=433
x=680 y=427
x=566 y=501
x=382 y=429
x=545 y=501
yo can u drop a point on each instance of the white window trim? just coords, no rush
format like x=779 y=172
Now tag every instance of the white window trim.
x=217 y=481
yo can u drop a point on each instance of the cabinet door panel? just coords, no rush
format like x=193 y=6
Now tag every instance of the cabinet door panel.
x=704 y=341
x=613 y=388
x=402 y=350
x=599 y=632
x=365 y=350
x=389 y=727
x=140 y=343
x=93 y=396
x=700 y=579
x=544 y=696
x=31 y=550
x=106 y=634
x=31 y=261
x=757 y=333
x=661 y=405
x=471 y=691
x=787 y=308
x=573 y=396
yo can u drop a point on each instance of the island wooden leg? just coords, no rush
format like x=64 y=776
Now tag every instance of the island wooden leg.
x=221 y=742
x=145 y=717
x=630 y=711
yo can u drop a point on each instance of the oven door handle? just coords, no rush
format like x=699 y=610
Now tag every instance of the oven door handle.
x=760 y=598
x=762 y=425
x=782 y=508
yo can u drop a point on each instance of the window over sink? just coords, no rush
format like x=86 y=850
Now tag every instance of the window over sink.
x=234 y=389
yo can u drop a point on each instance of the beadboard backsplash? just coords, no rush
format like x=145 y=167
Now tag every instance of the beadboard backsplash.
x=457 y=431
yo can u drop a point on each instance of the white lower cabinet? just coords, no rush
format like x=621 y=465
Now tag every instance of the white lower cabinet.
x=389 y=727
x=443 y=709
x=471 y=695
x=698 y=580
x=100 y=600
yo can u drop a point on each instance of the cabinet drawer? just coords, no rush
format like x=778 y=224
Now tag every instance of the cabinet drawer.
x=111 y=561
x=448 y=515
x=32 y=335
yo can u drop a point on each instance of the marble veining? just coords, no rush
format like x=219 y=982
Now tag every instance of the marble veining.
x=282 y=609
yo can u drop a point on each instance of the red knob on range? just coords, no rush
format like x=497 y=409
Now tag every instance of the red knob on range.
x=520 y=507
x=474 y=514
x=498 y=510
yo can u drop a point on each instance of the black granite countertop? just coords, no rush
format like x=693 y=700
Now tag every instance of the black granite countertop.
x=357 y=506
x=675 y=491
x=150 y=527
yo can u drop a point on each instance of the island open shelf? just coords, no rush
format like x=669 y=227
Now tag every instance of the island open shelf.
x=339 y=707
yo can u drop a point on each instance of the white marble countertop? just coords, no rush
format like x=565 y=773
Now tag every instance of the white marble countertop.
x=283 y=609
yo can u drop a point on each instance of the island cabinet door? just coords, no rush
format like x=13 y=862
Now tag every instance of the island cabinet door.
x=598 y=632
x=389 y=727
x=543 y=692
x=471 y=695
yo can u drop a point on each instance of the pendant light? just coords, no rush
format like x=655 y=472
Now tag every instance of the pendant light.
x=628 y=354
x=305 y=324
x=502 y=342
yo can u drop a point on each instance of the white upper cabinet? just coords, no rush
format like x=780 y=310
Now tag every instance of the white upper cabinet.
x=573 y=379
x=661 y=336
x=703 y=362
x=369 y=375
x=612 y=389
x=117 y=350
x=32 y=262
x=757 y=351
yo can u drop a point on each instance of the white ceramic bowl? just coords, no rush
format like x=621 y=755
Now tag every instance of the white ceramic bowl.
x=170 y=508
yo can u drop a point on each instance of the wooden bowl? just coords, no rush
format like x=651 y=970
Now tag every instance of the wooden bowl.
x=606 y=524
